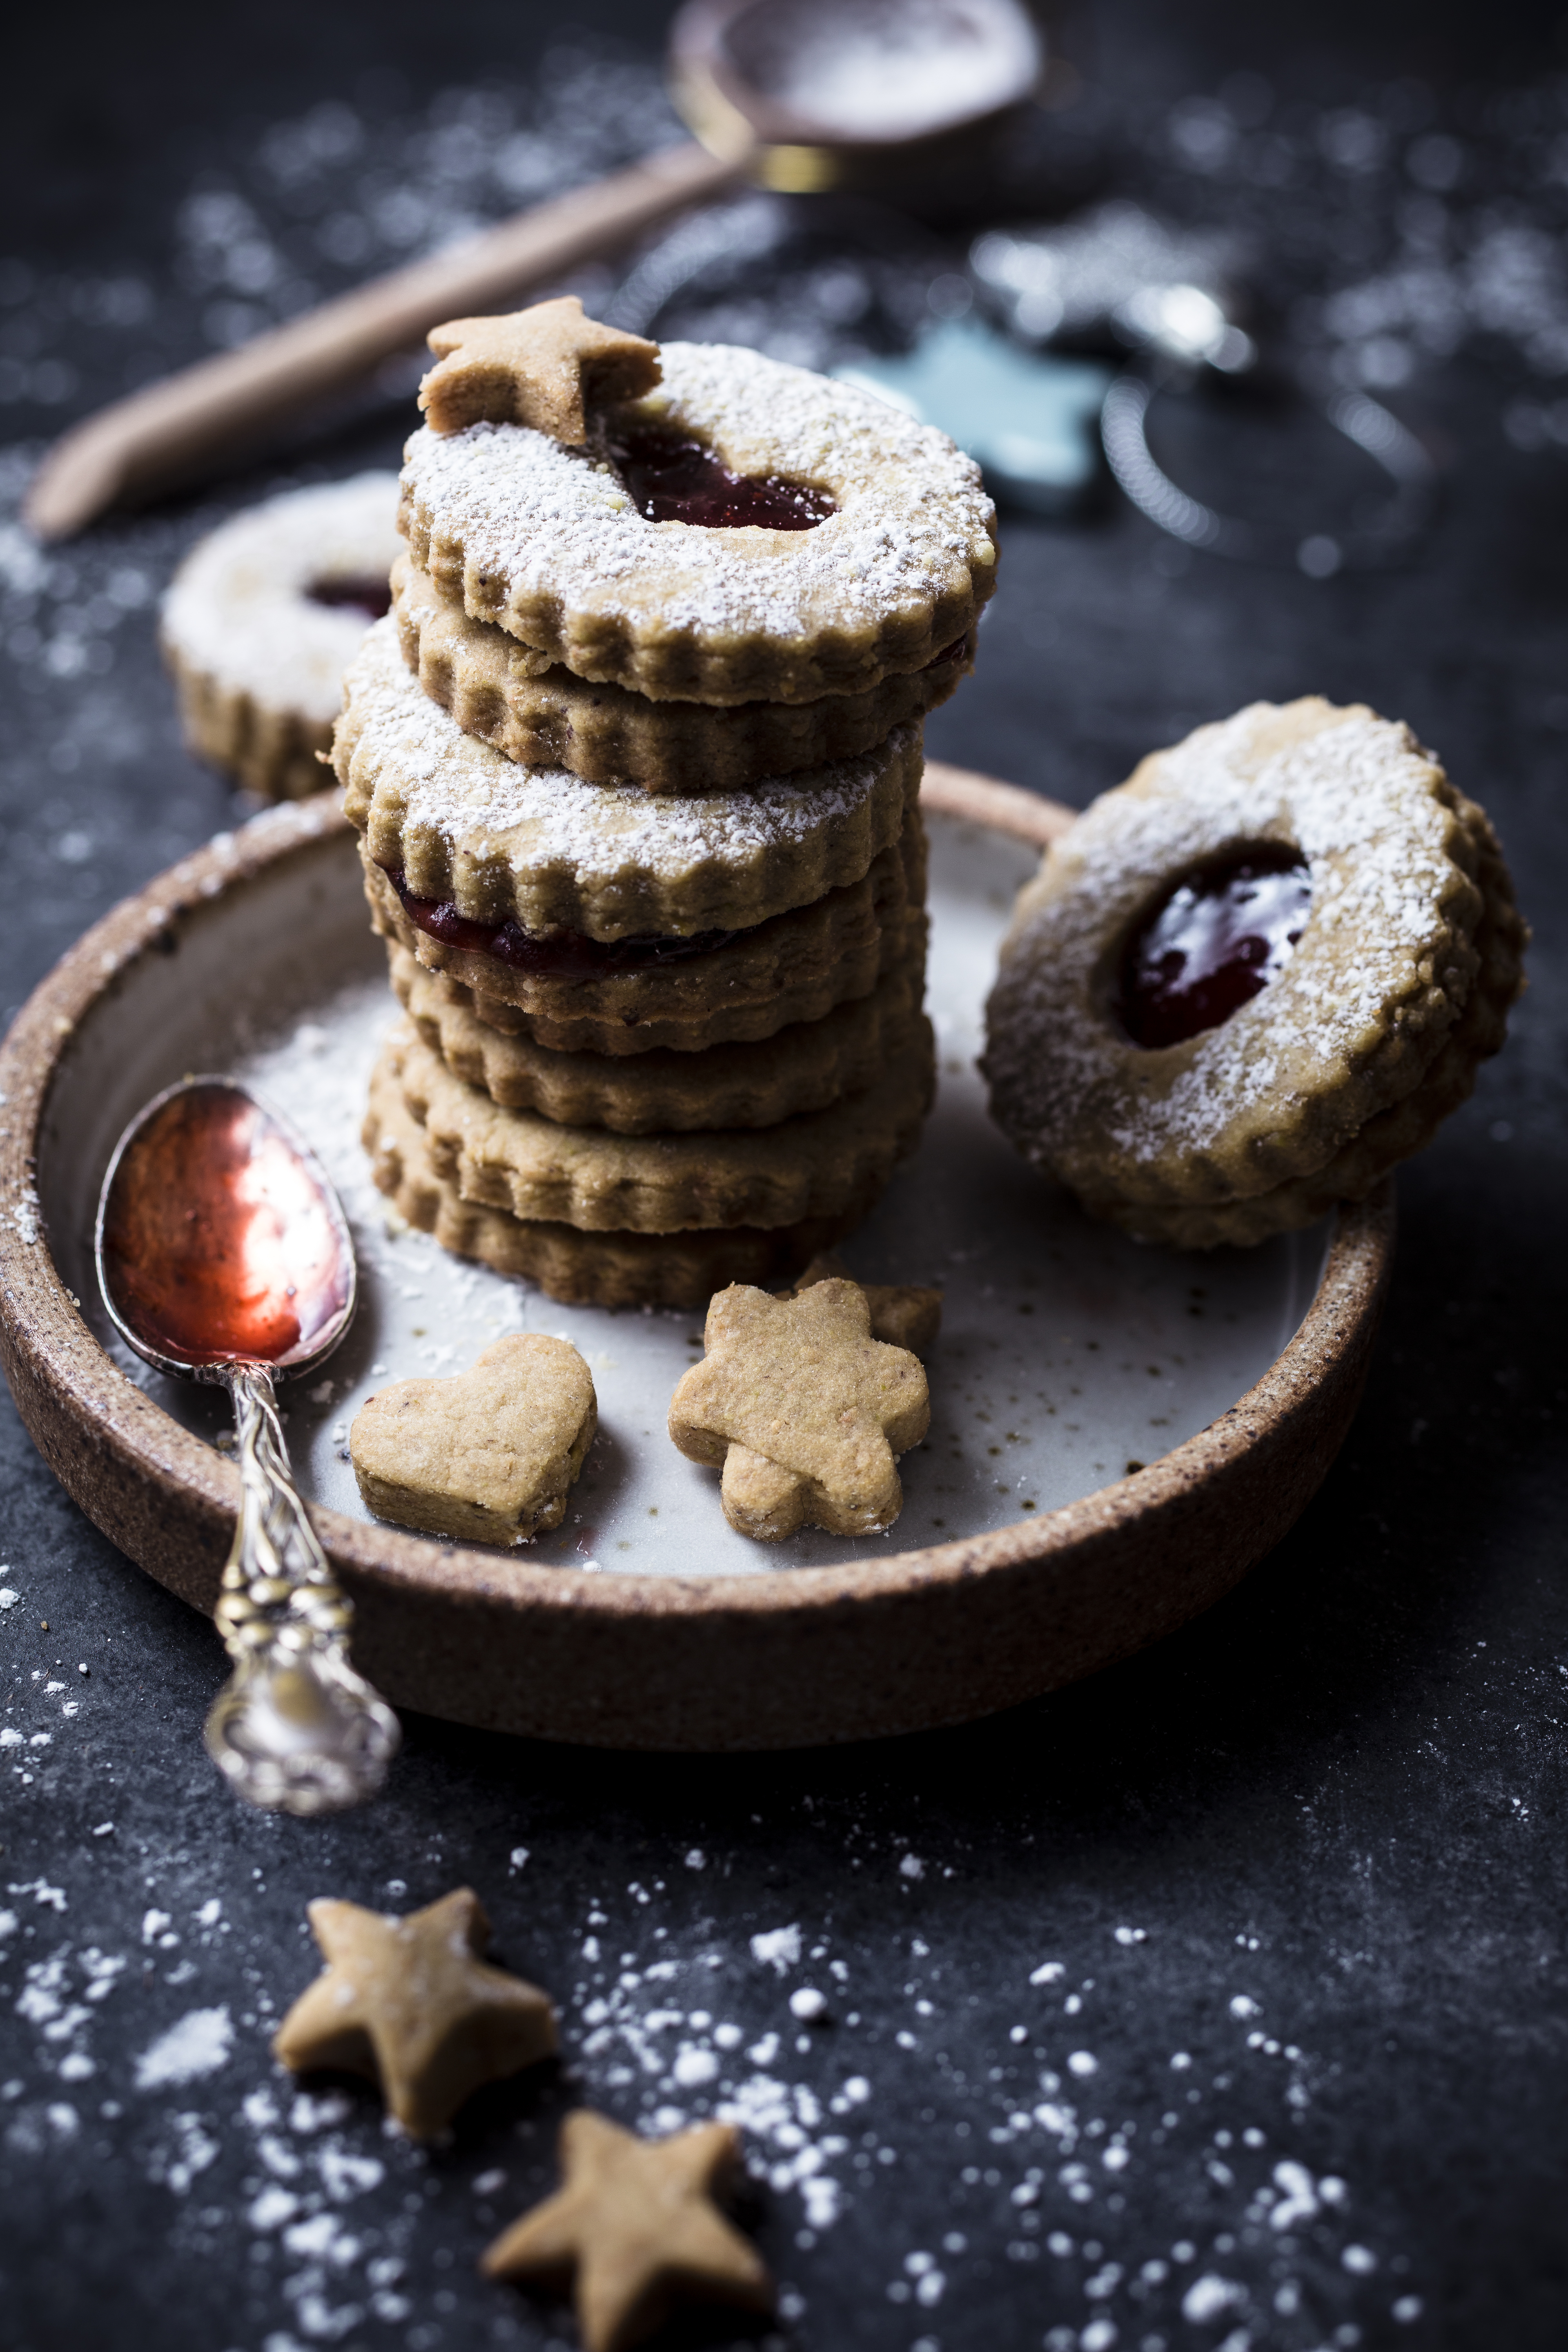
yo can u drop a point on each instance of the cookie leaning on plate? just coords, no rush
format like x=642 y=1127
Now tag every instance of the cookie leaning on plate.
x=1255 y=977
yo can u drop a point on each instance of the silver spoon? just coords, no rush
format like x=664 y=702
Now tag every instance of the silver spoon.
x=224 y=1256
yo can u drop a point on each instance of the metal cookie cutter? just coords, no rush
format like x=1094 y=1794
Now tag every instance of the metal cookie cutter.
x=1176 y=298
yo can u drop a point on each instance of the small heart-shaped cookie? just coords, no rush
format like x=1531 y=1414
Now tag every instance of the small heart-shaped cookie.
x=487 y=1454
x=803 y=1410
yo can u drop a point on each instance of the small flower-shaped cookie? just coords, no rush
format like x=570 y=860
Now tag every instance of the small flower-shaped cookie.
x=803 y=1410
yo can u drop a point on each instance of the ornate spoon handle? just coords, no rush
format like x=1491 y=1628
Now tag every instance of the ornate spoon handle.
x=295 y=1729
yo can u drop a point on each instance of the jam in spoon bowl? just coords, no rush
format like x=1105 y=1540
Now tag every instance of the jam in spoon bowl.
x=224 y=1257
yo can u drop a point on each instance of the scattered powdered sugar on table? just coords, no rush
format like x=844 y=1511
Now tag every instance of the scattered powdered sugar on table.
x=1057 y=2162
x=547 y=521
x=199 y=2044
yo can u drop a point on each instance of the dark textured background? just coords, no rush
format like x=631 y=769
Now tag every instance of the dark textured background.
x=1339 y=1797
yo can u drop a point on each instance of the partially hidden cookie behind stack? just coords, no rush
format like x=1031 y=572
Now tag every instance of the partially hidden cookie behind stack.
x=1254 y=978
x=635 y=763
x=264 y=617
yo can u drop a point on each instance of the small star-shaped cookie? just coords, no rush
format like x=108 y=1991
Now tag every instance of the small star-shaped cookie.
x=803 y=1410
x=539 y=367
x=634 y=2227
x=409 y=2003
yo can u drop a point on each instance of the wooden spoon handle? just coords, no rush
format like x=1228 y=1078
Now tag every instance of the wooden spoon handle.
x=187 y=425
x=982 y=799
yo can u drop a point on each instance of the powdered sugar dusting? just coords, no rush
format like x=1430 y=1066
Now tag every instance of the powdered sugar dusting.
x=237 y=608
x=1369 y=814
x=435 y=798
x=913 y=516
x=199 y=2044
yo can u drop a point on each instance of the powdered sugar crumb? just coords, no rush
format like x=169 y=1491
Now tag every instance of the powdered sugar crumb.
x=199 y=2044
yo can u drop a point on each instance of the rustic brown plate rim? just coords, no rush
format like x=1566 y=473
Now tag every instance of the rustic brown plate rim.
x=45 y=1336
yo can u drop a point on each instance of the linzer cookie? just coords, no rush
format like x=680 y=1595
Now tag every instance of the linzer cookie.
x=744 y=532
x=600 y=1269
x=800 y=1068
x=1254 y=978
x=262 y=619
x=539 y=848
x=573 y=995
x=635 y=763
x=816 y=1165
x=542 y=716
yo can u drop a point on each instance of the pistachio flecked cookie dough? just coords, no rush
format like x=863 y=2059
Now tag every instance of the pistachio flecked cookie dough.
x=487 y=1454
x=540 y=848
x=579 y=1269
x=801 y=1068
x=887 y=559
x=262 y=619
x=1372 y=1015
x=815 y=1165
x=803 y=1410
x=540 y=715
x=797 y=967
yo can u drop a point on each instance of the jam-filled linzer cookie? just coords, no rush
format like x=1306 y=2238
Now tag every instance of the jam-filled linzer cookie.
x=636 y=764
x=742 y=531
x=265 y=615
x=1255 y=977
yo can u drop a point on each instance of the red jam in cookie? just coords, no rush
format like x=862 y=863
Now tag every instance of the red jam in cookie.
x=673 y=478
x=372 y=595
x=553 y=955
x=1217 y=938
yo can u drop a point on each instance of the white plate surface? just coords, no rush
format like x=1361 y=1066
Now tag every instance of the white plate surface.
x=1066 y=1351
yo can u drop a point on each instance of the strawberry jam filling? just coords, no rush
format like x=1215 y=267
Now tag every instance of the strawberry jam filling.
x=673 y=478
x=552 y=955
x=370 y=595
x=1217 y=937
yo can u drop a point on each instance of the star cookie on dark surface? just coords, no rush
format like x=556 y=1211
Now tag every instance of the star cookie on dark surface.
x=409 y=2003
x=635 y=2229
x=539 y=367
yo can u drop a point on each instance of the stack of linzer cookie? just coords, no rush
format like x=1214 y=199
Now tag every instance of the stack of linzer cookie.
x=636 y=758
